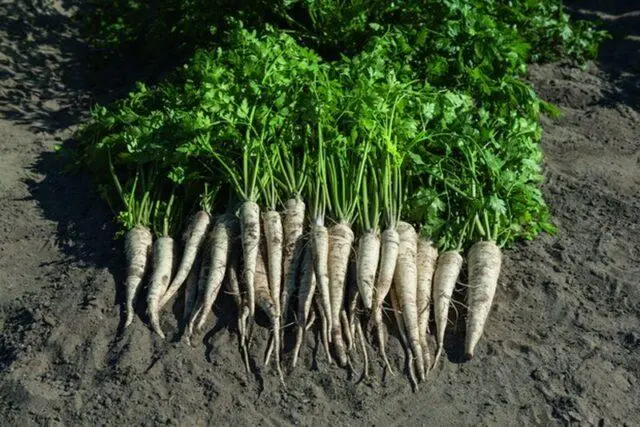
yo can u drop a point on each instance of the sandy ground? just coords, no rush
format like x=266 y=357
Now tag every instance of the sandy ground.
x=562 y=344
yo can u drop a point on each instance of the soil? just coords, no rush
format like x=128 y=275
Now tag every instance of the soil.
x=562 y=345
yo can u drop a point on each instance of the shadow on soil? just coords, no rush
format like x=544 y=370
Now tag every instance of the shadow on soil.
x=38 y=45
x=47 y=84
x=50 y=76
x=85 y=228
x=620 y=56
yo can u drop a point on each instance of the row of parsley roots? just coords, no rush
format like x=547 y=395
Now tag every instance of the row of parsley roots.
x=363 y=145
x=399 y=263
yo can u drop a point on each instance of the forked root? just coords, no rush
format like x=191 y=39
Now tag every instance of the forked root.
x=380 y=329
x=324 y=331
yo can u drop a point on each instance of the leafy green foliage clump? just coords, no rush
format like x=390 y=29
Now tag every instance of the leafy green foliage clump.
x=550 y=32
x=151 y=29
x=371 y=111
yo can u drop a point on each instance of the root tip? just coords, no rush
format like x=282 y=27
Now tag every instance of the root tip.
x=436 y=359
x=342 y=360
x=155 y=325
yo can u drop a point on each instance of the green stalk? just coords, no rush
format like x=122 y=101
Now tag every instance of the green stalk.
x=167 y=215
x=319 y=196
x=344 y=193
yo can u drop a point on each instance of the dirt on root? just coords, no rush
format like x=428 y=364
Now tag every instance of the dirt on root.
x=562 y=344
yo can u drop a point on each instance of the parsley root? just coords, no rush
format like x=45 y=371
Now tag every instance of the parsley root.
x=137 y=248
x=484 y=262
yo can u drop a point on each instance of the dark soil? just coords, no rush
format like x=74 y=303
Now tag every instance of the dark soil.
x=562 y=344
